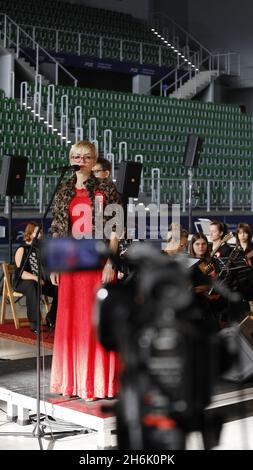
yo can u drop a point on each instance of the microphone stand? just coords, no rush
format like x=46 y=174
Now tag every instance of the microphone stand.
x=38 y=430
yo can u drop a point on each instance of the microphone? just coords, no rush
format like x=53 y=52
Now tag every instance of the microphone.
x=67 y=168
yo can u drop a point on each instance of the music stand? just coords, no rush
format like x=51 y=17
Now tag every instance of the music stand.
x=38 y=431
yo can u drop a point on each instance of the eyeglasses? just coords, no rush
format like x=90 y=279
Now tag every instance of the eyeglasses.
x=97 y=171
x=86 y=158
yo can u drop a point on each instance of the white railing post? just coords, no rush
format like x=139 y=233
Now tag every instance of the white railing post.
x=161 y=88
x=41 y=186
x=50 y=106
x=78 y=111
x=64 y=118
x=160 y=56
x=79 y=43
x=156 y=192
x=208 y=196
x=12 y=77
x=17 y=51
x=107 y=142
x=184 y=196
x=229 y=65
x=92 y=132
x=139 y=158
x=57 y=41
x=33 y=36
x=111 y=159
x=37 y=59
x=121 y=50
x=100 y=47
x=56 y=72
x=141 y=53
x=230 y=196
x=37 y=97
x=176 y=78
x=5 y=31
x=23 y=94
x=122 y=151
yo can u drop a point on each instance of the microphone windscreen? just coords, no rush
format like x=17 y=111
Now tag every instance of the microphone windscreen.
x=75 y=167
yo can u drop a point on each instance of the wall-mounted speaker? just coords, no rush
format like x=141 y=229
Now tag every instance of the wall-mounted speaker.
x=193 y=149
x=12 y=177
x=129 y=177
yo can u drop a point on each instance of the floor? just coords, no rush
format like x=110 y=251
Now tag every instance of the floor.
x=236 y=435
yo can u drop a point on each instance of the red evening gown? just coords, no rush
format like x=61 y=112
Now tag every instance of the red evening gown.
x=81 y=366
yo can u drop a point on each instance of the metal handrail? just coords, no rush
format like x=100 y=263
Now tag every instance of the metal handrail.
x=141 y=44
x=180 y=28
x=197 y=69
x=6 y=17
x=172 y=72
x=230 y=203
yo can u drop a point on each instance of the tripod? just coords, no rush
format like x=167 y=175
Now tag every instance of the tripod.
x=38 y=430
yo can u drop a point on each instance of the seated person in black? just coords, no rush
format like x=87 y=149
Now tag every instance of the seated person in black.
x=214 y=308
x=218 y=231
x=244 y=275
x=28 y=283
x=244 y=241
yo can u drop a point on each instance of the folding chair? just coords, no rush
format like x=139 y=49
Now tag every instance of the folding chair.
x=10 y=294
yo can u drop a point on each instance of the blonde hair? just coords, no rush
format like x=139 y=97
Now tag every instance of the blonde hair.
x=81 y=145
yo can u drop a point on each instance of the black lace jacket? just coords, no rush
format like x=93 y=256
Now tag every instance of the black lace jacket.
x=60 y=210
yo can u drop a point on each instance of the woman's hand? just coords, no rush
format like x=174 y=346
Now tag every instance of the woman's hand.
x=55 y=277
x=108 y=273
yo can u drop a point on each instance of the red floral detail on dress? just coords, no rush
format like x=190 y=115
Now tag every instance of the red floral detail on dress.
x=99 y=193
x=80 y=213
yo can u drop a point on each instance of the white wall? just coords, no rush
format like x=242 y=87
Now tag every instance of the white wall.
x=177 y=10
x=6 y=67
x=137 y=8
x=224 y=26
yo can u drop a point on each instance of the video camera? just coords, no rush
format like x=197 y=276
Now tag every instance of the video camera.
x=170 y=361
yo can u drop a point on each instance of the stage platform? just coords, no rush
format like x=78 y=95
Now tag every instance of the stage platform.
x=18 y=389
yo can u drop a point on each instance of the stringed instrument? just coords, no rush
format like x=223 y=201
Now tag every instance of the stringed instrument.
x=222 y=241
x=207 y=268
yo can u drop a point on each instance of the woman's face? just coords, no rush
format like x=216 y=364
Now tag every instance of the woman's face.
x=83 y=157
x=215 y=234
x=35 y=233
x=242 y=236
x=200 y=247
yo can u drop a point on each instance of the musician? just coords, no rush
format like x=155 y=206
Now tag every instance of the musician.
x=244 y=240
x=177 y=240
x=244 y=276
x=218 y=231
x=214 y=307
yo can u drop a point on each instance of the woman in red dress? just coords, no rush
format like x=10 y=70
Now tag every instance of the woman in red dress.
x=81 y=366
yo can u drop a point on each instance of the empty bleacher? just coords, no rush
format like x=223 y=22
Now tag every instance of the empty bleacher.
x=157 y=128
x=87 y=31
x=20 y=134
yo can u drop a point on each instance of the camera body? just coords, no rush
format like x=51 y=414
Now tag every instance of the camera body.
x=170 y=360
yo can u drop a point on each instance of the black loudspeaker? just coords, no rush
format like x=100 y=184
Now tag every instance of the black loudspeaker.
x=193 y=148
x=13 y=173
x=128 y=180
